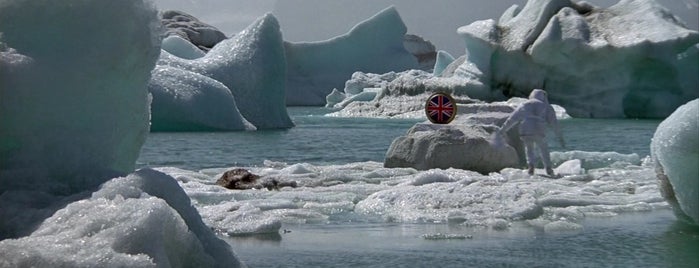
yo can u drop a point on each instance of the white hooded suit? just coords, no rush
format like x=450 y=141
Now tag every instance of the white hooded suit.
x=534 y=117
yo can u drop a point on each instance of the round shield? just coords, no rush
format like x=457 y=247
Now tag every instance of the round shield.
x=440 y=108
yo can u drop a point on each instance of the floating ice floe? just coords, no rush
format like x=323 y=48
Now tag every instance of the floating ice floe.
x=251 y=66
x=369 y=192
x=675 y=152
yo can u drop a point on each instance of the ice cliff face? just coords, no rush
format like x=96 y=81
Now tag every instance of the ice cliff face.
x=375 y=45
x=623 y=61
x=74 y=107
x=250 y=65
x=675 y=152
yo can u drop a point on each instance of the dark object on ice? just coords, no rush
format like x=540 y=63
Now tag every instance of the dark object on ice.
x=242 y=179
x=202 y=35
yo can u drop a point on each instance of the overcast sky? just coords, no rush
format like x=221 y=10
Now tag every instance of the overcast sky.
x=314 y=20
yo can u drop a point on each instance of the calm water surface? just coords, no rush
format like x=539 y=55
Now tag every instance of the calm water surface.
x=320 y=140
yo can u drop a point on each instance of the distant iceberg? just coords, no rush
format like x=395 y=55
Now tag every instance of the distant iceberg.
x=633 y=59
x=375 y=45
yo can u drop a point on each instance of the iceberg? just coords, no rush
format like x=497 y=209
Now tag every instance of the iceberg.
x=375 y=45
x=620 y=61
x=185 y=100
x=74 y=109
x=251 y=65
x=631 y=60
x=74 y=113
x=675 y=152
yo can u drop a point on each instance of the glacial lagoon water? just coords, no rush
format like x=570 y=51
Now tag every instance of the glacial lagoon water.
x=644 y=239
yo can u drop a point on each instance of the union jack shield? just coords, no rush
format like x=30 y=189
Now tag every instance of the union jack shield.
x=440 y=108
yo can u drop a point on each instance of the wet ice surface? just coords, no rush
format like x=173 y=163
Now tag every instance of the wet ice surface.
x=367 y=192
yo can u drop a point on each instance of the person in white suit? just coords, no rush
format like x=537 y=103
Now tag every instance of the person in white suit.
x=534 y=117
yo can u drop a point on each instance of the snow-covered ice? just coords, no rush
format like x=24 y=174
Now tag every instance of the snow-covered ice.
x=675 y=152
x=369 y=192
x=142 y=220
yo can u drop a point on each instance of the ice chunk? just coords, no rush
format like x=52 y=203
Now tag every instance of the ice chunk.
x=74 y=109
x=675 y=151
x=443 y=60
x=142 y=220
x=374 y=45
x=188 y=101
x=182 y=48
x=252 y=66
x=333 y=98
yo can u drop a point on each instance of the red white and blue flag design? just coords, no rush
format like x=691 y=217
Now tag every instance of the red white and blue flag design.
x=440 y=108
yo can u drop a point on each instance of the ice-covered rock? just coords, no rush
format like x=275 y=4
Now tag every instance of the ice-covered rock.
x=465 y=143
x=627 y=60
x=191 y=29
x=423 y=50
x=374 y=45
x=178 y=46
x=675 y=152
x=142 y=220
x=74 y=107
x=251 y=65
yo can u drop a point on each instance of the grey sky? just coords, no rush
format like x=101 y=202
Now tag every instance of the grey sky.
x=314 y=20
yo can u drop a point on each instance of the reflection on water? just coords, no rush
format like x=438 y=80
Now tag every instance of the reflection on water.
x=652 y=239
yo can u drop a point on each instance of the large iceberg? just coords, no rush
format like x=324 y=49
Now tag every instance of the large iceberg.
x=633 y=59
x=251 y=65
x=675 y=152
x=621 y=61
x=375 y=45
x=74 y=108
x=74 y=113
